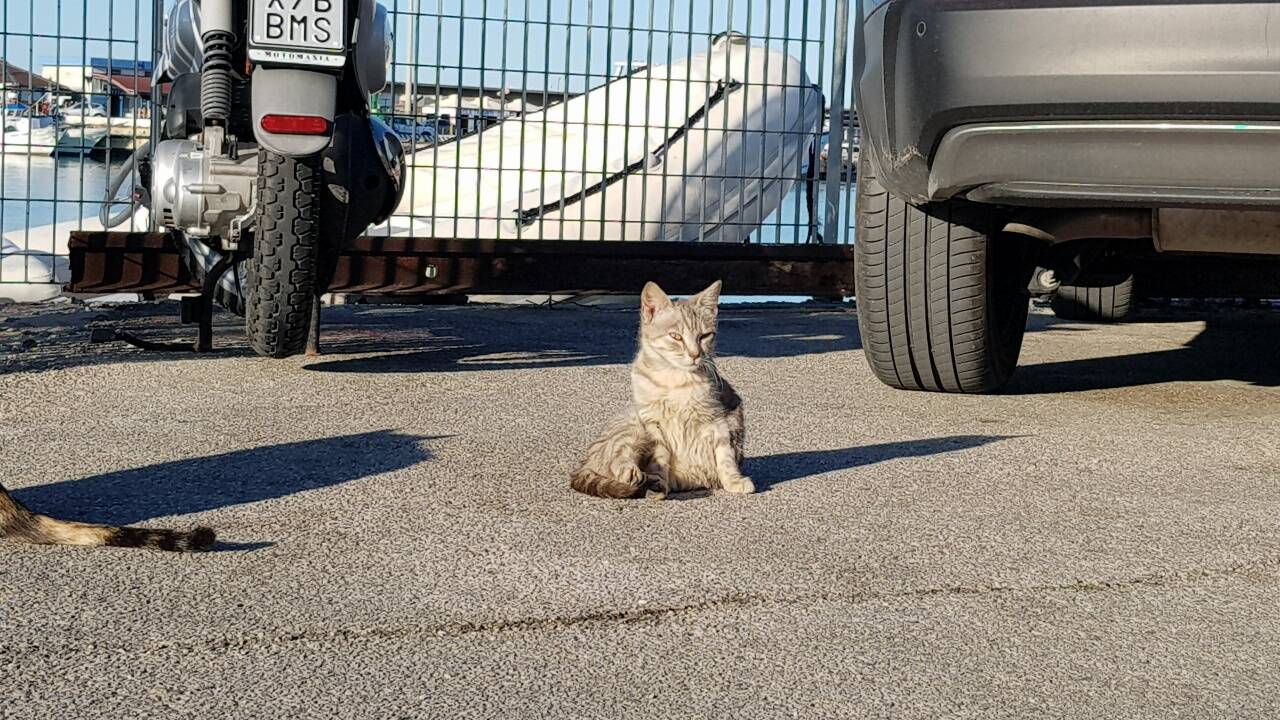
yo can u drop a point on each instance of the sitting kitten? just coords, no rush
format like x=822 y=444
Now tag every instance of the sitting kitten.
x=685 y=429
x=21 y=525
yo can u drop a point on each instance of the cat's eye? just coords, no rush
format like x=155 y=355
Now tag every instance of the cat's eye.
x=707 y=336
x=677 y=337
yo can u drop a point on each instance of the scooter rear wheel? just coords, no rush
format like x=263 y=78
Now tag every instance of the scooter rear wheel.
x=286 y=247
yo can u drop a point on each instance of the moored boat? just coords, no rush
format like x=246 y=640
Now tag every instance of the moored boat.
x=26 y=133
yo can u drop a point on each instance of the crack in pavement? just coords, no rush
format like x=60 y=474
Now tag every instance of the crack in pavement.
x=1257 y=569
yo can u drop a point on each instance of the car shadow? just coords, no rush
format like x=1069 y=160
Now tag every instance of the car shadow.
x=1241 y=346
x=205 y=483
x=771 y=471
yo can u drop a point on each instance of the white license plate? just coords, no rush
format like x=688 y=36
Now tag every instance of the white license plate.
x=299 y=32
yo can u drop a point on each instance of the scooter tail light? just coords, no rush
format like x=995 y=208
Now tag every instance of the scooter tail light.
x=295 y=125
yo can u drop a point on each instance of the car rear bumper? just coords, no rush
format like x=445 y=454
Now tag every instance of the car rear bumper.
x=1073 y=102
x=1110 y=163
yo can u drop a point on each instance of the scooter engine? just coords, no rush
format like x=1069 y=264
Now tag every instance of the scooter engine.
x=203 y=192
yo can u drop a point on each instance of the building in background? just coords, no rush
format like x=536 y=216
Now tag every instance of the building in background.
x=22 y=86
x=462 y=110
x=121 y=87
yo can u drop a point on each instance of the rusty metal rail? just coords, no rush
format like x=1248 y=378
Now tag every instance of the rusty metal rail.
x=150 y=263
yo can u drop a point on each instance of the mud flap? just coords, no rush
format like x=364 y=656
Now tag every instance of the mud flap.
x=293 y=92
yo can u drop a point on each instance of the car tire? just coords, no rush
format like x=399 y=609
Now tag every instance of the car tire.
x=942 y=300
x=1102 y=300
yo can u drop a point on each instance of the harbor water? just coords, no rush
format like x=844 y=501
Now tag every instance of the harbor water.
x=41 y=191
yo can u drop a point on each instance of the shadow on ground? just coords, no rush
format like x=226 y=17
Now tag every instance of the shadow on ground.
x=1236 y=344
x=469 y=339
x=216 y=481
x=415 y=339
x=773 y=470
x=1243 y=346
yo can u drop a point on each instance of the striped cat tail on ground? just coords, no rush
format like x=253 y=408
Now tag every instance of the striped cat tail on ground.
x=19 y=524
x=197 y=539
x=594 y=484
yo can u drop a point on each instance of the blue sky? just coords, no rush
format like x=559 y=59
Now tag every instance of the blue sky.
x=569 y=43
x=569 y=39
x=29 y=30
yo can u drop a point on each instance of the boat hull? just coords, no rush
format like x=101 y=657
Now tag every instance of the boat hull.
x=30 y=276
x=80 y=140
x=705 y=149
x=40 y=142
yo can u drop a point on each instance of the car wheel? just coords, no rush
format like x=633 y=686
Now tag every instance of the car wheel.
x=1103 y=299
x=942 y=297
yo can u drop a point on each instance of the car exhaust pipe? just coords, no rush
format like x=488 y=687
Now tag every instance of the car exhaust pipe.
x=1054 y=227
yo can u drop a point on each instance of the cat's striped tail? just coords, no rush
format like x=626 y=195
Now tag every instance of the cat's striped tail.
x=589 y=482
x=21 y=525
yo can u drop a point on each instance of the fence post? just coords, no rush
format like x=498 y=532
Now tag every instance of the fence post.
x=157 y=47
x=835 y=149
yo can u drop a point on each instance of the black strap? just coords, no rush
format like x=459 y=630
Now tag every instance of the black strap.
x=530 y=216
x=810 y=188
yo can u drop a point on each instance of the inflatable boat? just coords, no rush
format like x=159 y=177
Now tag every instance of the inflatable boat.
x=30 y=275
x=34 y=264
x=704 y=149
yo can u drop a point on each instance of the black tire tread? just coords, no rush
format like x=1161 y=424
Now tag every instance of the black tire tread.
x=926 y=292
x=1095 y=303
x=282 y=272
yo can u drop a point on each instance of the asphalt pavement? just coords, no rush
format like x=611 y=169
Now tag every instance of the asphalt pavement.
x=399 y=539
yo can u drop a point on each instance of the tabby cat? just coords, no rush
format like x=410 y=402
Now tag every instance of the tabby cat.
x=685 y=429
x=21 y=525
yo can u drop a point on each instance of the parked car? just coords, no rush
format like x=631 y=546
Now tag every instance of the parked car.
x=851 y=147
x=415 y=132
x=81 y=110
x=1017 y=148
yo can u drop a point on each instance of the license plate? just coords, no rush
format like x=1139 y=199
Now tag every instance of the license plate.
x=299 y=32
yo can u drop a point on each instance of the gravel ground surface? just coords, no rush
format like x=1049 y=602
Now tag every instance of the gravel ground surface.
x=399 y=540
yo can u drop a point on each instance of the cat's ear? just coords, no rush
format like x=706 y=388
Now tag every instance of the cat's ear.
x=709 y=299
x=652 y=301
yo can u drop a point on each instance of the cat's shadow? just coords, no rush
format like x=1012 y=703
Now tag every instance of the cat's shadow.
x=771 y=471
x=688 y=495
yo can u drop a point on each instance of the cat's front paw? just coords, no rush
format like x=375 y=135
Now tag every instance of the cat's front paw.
x=653 y=488
x=742 y=485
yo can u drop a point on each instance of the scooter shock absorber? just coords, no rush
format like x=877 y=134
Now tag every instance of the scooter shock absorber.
x=217 y=24
x=216 y=76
